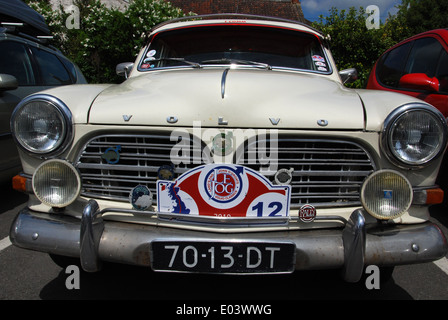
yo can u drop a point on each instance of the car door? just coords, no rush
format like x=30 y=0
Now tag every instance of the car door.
x=16 y=61
x=429 y=57
x=426 y=55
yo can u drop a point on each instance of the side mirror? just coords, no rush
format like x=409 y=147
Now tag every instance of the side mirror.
x=419 y=81
x=348 y=75
x=124 y=69
x=8 y=82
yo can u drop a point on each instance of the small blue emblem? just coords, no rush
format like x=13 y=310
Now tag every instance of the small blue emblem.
x=112 y=155
x=387 y=194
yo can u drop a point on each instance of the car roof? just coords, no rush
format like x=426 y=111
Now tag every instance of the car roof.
x=28 y=40
x=18 y=11
x=233 y=18
x=443 y=33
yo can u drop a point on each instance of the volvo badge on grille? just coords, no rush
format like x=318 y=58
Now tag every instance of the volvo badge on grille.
x=112 y=155
x=222 y=144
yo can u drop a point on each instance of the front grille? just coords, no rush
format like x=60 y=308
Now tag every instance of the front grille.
x=140 y=158
x=324 y=173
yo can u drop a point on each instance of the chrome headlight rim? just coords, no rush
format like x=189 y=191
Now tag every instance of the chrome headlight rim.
x=66 y=120
x=393 y=118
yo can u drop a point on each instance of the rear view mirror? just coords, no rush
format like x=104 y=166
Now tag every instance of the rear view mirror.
x=8 y=82
x=124 y=69
x=348 y=75
x=419 y=81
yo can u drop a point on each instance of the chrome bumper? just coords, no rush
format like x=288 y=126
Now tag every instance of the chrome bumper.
x=350 y=249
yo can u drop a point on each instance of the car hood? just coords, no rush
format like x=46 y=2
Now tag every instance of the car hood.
x=235 y=98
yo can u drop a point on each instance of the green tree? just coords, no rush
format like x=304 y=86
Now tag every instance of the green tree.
x=353 y=45
x=423 y=15
x=106 y=36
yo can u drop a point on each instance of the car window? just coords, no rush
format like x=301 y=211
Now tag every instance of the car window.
x=391 y=66
x=276 y=47
x=442 y=72
x=424 y=57
x=15 y=61
x=52 y=70
x=70 y=67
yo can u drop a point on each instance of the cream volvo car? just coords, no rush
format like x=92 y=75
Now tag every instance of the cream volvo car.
x=234 y=147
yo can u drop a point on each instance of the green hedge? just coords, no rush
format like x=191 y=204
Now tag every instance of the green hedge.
x=105 y=36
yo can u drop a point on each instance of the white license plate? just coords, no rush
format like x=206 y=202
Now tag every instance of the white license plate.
x=223 y=257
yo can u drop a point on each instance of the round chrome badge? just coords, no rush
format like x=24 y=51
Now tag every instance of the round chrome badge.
x=283 y=176
x=222 y=144
x=307 y=213
x=140 y=198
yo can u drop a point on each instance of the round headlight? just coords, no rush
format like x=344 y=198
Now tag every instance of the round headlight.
x=386 y=194
x=41 y=124
x=56 y=183
x=414 y=135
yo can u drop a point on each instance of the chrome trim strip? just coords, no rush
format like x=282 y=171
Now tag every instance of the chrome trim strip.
x=222 y=222
x=234 y=15
x=223 y=82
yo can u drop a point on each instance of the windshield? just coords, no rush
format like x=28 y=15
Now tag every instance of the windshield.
x=254 y=46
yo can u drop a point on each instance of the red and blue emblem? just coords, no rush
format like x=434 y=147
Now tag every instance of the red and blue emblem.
x=224 y=191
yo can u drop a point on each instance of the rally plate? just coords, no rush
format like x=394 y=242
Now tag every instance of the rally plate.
x=223 y=257
x=223 y=190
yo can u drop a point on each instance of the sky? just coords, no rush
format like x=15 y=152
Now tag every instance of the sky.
x=313 y=8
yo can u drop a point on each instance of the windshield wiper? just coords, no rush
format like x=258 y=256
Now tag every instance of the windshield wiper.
x=238 y=61
x=193 y=64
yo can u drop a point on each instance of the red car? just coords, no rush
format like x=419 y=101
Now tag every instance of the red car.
x=418 y=67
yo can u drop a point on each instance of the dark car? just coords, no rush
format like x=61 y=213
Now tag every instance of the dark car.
x=418 y=67
x=27 y=65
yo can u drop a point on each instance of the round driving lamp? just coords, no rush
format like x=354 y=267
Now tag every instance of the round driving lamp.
x=386 y=194
x=56 y=183
x=42 y=125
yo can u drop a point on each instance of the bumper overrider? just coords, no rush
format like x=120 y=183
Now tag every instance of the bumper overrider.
x=351 y=248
